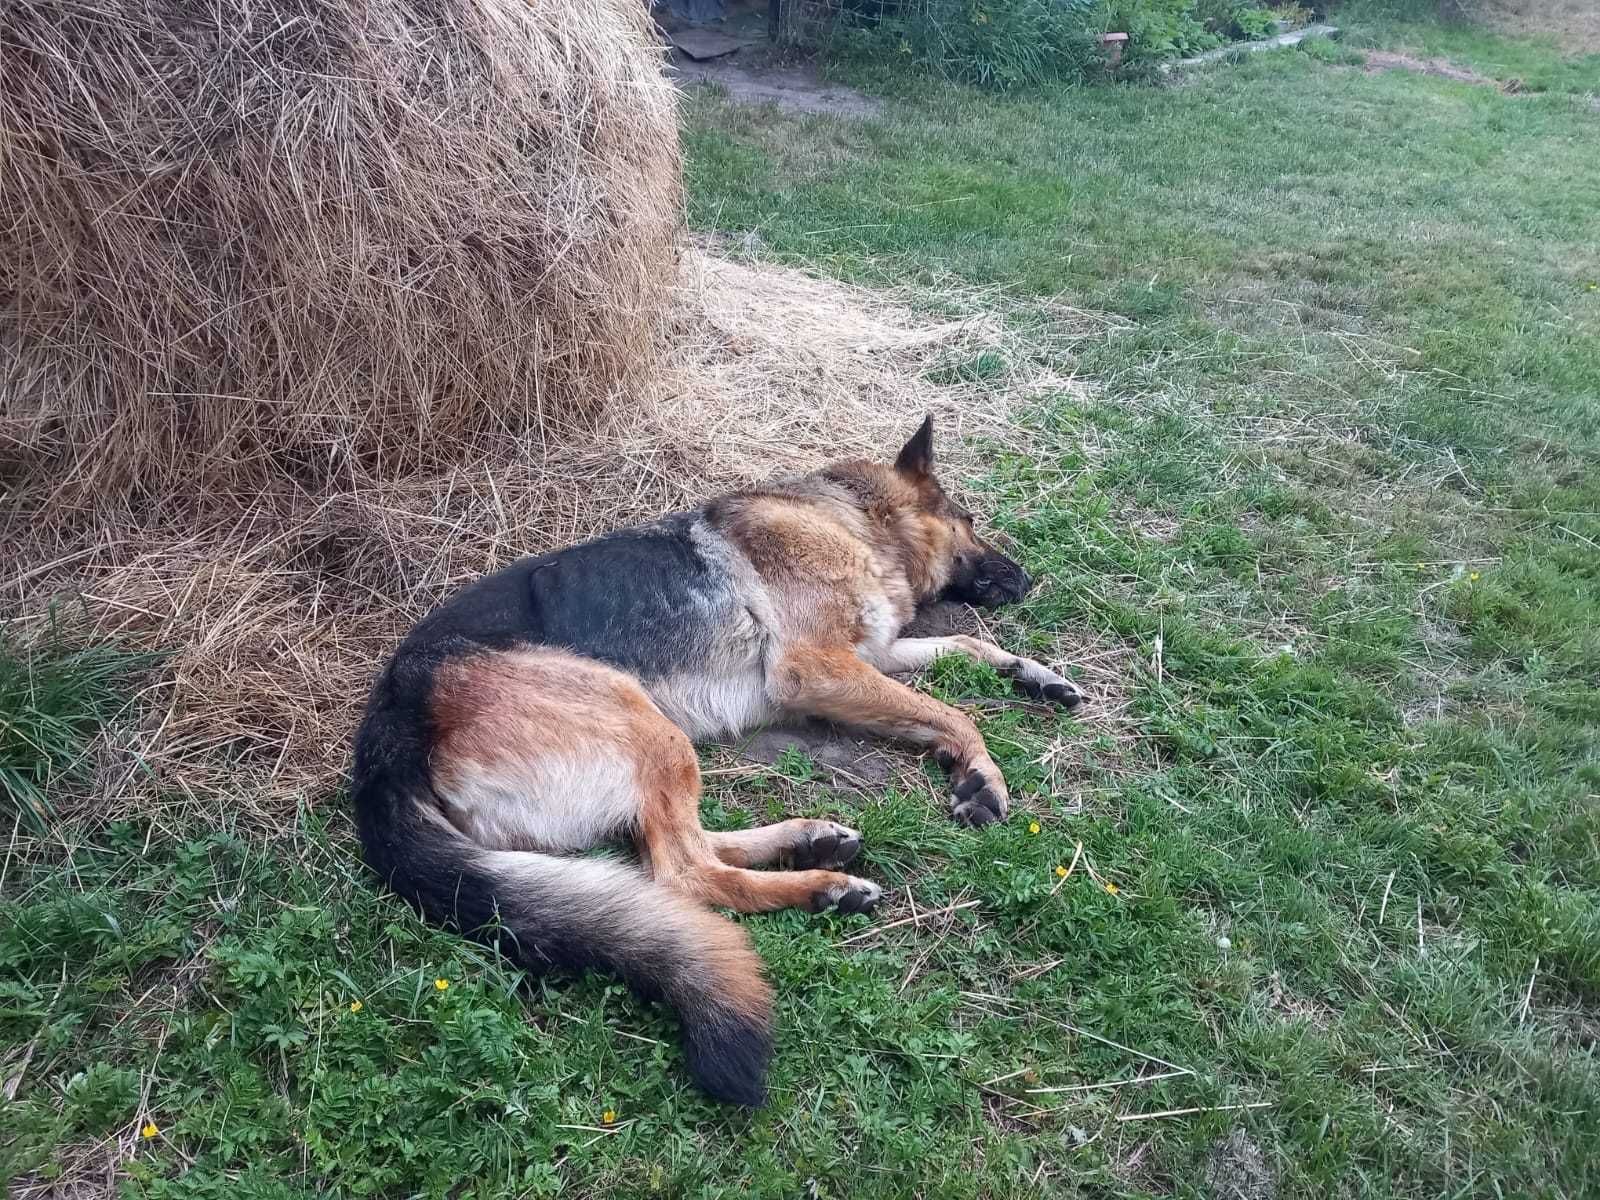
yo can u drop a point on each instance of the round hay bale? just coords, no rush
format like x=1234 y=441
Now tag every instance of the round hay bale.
x=322 y=239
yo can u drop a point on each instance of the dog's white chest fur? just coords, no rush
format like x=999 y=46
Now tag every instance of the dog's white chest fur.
x=727 y=694
x=880 y=626
x=711 y=705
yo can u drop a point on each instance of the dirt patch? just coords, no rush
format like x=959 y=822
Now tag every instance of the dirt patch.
x=1238 y=1170
x=1580 y=1030
x=843 y=756
x=792 y=88
x=1390 y=60
x=1292 y=1007
x=80 y=1171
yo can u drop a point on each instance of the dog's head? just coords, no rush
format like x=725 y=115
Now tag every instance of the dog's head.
x=958 y=564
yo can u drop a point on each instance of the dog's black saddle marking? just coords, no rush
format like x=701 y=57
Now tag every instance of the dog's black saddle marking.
x=645 y=600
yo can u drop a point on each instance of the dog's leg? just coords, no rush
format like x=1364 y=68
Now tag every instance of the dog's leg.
x=714 y=882
x=798 y=843
x=684 y=856
x=837 y=685
x=542 y=750
x=1033 y=678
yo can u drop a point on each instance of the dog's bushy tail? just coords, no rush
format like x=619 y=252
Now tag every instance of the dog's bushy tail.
x=583 y=913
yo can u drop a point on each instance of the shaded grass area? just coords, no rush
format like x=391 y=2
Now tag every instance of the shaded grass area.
x=1332 y=846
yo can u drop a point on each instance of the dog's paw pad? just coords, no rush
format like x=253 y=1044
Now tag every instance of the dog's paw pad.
x=1039 y=682
x=861 y=896
x=970 y=784
x=856 y=896
x=981 y=810
x=980 y=797
x=828 y=845
x=1065 y=694
x=846 y=845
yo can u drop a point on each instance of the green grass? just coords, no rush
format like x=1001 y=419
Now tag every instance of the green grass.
x=1535 y=63
x=54 y=696
x=1333 y=516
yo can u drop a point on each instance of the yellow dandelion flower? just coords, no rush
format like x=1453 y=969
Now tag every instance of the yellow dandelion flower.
x=441 y=984
x=149 y=1130
x=1033 y=827
x=355 y=1006
x=1112 y=888
x=1473 y=576
x=609 y=1116
x=1061 y=872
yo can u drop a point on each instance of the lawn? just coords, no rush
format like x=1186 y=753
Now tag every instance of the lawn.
x=1327 y=522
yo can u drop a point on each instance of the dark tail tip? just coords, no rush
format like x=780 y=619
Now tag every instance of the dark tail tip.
x=727 y=1054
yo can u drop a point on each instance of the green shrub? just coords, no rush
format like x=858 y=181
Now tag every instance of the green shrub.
x=1249 y=21
x=1159 y=29
x=101 y=1097
x=1325 y=49
x=992 y=43
x=1005 y=44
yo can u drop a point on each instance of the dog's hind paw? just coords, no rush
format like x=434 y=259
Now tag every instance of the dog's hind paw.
x=980 y=796
x=827 y=845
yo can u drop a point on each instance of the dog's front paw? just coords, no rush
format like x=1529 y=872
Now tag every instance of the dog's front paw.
x=827 y=845
x=1039 y=682
x=980 y=794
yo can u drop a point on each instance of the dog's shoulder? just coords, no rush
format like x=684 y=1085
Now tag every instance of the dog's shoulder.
x=813 y=542
x=804 y=528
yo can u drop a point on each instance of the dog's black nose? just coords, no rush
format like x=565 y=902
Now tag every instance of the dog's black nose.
x=1001 y=581
x=1011 y=581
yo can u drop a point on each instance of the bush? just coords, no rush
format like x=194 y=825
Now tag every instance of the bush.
x=1325 y=49
x=992 y=43
x=1005 y=44
x=1160 y=29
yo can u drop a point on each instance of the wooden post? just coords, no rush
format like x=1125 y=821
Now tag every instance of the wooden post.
x=1113 y=43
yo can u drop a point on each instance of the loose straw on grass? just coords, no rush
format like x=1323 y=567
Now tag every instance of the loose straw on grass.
x=913 y=920
x=1189 y=1112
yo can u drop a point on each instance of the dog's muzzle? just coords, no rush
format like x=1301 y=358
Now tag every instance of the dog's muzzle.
x=989 y=581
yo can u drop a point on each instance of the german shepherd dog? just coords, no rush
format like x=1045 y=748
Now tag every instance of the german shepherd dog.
x=553 y=706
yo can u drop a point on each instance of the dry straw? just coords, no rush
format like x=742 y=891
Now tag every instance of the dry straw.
x=255 y=239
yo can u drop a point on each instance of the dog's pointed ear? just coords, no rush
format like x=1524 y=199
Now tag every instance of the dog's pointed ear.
x=916 y=456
